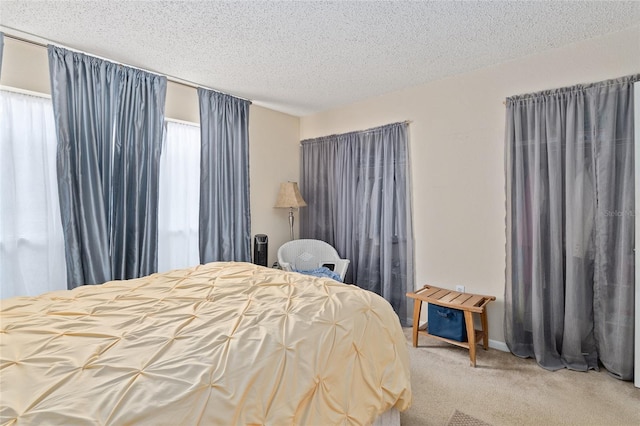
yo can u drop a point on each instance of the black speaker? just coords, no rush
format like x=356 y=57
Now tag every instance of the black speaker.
x=260 y=249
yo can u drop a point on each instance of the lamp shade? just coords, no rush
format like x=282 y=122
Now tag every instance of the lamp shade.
x=289 y=196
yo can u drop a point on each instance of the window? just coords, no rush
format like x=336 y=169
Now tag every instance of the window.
x=32 y=259
x=32 y=253
x=178 y=210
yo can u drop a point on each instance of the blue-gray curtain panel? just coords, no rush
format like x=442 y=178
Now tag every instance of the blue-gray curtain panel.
x=225 y=217
x=357 y=190
x=569 y=290
x=84 y=95
x=136 y=168
x=109 y=123
x=1 y=50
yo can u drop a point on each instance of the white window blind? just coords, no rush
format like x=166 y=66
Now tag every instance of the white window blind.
x=32 y=259
x=178 y=209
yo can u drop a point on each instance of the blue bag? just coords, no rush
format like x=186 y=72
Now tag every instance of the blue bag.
x=446 y=322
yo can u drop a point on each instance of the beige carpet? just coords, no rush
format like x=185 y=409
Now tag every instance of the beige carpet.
x=506 y=390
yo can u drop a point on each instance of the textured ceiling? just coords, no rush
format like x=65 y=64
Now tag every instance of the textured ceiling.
x=305 y=57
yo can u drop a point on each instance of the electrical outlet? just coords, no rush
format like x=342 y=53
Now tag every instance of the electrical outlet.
x=460 y=288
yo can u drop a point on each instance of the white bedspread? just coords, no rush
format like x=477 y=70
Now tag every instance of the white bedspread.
x=218 y=344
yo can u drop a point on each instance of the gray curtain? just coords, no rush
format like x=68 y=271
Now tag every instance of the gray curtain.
x=136 y=168
x=225 y=217
x=570 y=226
x=84 y=96
x=1 y=50
x=109 y=123
x=357 y=189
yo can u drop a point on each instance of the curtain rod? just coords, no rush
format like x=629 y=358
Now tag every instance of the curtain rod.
x=371 y=129
x=25 y=92
x=169 y=77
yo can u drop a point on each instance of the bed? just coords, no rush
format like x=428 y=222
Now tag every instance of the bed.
x=217 y=344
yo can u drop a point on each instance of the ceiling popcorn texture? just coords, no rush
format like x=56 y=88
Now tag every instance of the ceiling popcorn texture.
x=305 y=57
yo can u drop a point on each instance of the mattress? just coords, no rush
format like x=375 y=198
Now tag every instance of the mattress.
x=217 y=344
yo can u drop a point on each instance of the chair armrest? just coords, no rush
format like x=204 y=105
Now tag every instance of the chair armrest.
x=341 y=266
x=286 y=266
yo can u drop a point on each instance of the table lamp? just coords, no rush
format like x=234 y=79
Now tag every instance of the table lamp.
x=290 y=198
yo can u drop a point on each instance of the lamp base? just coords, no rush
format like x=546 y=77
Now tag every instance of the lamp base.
x=291 y=220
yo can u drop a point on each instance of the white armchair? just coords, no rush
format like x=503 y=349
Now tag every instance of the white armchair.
x=304 y=255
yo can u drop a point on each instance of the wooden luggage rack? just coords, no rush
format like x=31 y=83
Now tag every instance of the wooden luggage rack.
x=466 y=302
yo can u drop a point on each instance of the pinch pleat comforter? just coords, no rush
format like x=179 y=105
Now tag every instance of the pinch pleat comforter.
x=217 y=344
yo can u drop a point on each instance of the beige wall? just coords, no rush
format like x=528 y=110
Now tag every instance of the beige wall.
x=456 y=144
x=273 y=136
x=275 y=158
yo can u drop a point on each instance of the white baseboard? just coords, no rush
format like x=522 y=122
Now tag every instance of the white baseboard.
x=501 y=346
